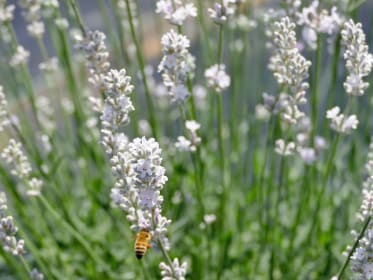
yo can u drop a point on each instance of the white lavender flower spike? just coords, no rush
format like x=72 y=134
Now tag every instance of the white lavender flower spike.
x=4 y=118
x=8 y=230
x=358 y=61
x=97 y=56
x=21 y=167
x=177 y=65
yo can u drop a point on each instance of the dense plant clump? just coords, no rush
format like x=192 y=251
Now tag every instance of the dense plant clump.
x=181 y=139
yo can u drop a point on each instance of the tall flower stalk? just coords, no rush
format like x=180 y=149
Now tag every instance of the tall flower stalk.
x=359 y=64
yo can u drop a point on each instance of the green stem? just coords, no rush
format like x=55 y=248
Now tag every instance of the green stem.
x=320 y=195
x=74 y=233
x=315 y=90
x=140 y=59
x=25 y=264
x=78 y=17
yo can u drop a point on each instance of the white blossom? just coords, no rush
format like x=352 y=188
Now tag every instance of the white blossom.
x=358 y=61
x=20 y=57
x=222 y=11
x=4 y=117
x=341 y=123
x=97 y=56
x=8 y=230
x=366 y=208
x=21 y=167
x=361 y=260
x=316 y=20
x=175 y=11
x=176 y=272
x=176 y=65
x=51 y=65
x=36 y=29
x=217 y=78
x=284 y=149
x=191 y=142
x=6 y=12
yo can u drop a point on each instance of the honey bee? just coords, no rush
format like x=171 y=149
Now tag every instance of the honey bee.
x=142 y=243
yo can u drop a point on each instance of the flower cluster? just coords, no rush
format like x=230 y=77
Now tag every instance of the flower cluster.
x=21 y=167
x=217 y=78
x=222 y=11
x=176 y=272
x=4 y=117
x=32 y=11
x=177 y=65
x=116 y=109
x=20 y=57
x=45 y=114
x=284 y=149
x=290 y=69
x=315 y=20
x=175 y=11
x=97 y=56
x=8 y=230
x=341 y=123
x=361 y=259
x=189 y=144
x=6 y=12
x=358 y=61
x=366 y=208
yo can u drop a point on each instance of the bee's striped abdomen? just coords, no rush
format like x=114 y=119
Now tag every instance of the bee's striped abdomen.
x=142 y=243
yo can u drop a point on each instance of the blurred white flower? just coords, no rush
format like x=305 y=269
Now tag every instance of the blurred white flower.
x=21 y=167
x=189 y=144
x=50 y=65
x=284 y=149
x=175 y=11
x=4 y=116
x=176 y=65
x=97 y=56
x=217 y=78
x=8 y=230
x=341 y=123
x=6 y=12
x=36 y=29
x=222 y=11
x=20 y=57
x=175 y=272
